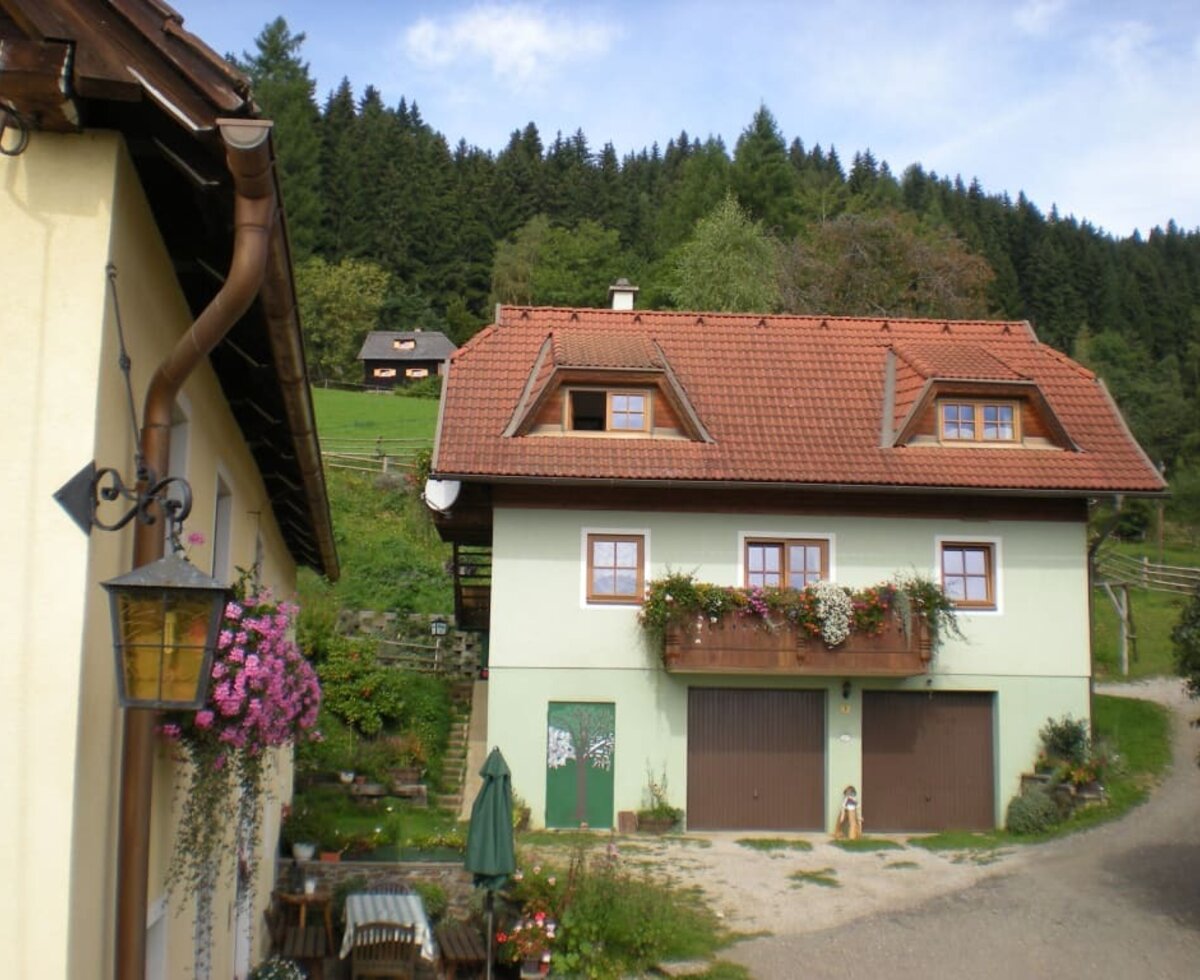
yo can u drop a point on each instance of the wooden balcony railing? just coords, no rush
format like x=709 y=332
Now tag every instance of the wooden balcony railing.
x=744 y=644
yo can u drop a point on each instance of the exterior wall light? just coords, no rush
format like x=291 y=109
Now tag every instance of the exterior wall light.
x=166 y=618
x=438 y=627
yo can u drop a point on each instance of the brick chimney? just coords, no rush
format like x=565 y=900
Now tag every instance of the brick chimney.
x=622 y=294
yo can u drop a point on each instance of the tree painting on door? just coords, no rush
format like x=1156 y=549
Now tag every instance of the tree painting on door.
x=579 y=763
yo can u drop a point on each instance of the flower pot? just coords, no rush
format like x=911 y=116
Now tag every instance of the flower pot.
x=303 y=852
x=332 y=857
x=534 y=967
x=346 y=775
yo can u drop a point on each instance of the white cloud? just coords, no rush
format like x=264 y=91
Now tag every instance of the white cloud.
x=1036 y=17
x=521 y=44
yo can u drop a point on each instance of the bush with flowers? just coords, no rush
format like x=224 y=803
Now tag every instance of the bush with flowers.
x=538 y=896
x=263 y=694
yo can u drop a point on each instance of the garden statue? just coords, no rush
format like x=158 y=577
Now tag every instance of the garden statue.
x=849 y=825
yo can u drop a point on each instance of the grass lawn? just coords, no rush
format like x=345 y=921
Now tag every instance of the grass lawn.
x=366 y=415
x=868 y=844
x=774 y=844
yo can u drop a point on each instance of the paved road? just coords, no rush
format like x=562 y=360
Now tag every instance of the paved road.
x=1119 y=901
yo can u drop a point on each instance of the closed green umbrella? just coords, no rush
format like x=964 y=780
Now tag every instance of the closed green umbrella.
x=491 y=857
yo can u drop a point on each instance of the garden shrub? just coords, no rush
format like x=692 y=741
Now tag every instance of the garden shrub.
x=1066 y=741
x=434 y=898
x=1033 y=812
x=429 y=387
x=357 y=689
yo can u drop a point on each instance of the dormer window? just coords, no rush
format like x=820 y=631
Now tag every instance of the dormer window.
x=404 y=344
x=601 y=410
x=978 y=421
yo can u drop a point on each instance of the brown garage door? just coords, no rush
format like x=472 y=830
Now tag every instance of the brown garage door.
x=756 y=759
x=927 y=761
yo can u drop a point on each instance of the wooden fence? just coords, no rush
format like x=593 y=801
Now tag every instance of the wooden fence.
x=1118 y=569
x=1116 y=574
x=449 y=655
x=372 y=455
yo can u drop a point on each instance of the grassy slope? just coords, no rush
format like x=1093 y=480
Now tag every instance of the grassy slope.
x=1154 y=616
x=391 y=557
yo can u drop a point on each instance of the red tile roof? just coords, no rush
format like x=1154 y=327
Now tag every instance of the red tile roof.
x=786 y=399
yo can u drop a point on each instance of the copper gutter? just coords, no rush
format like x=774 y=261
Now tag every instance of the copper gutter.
x=248 y=156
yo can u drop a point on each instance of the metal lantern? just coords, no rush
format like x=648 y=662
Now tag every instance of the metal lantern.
x=438 y=627
x=166 y=617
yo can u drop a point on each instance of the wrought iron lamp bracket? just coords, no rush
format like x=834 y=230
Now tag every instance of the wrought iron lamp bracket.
x=108 y=485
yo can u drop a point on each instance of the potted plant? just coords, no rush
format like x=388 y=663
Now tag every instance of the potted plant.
x=301 y=831
x=660 y=816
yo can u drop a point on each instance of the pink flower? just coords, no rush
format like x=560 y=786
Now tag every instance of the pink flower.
x=195 y=537
x=204 y=719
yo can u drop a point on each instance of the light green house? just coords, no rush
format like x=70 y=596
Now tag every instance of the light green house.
x=584 y=454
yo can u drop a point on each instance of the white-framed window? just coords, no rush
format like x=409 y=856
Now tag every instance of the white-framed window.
x=969 y=572
x=614 y=563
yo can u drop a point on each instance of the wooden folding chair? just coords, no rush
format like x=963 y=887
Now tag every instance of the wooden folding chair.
x=384 y=949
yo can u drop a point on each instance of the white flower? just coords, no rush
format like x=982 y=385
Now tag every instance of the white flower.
x=834 y=612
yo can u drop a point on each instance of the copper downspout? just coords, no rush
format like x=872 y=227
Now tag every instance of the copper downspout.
x=248 y=156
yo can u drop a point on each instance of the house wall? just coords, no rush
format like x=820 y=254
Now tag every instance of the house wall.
x=69 y=205
x=547 y=644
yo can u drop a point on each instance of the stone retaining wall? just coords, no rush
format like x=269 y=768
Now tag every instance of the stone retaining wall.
x=450 y=876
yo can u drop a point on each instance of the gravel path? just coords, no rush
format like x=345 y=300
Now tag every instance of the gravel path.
x=1122 y=900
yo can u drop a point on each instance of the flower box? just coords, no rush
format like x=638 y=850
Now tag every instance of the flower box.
x=746 y=644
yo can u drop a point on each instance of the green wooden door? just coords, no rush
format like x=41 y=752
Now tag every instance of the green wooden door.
x=580 y=736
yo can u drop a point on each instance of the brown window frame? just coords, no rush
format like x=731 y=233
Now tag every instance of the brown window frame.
x=609 y=393
x=989 y=572
x=978 y=408
x=785 y=570
x=622 y=598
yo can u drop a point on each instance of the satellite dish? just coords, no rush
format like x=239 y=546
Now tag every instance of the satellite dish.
x=440 y=494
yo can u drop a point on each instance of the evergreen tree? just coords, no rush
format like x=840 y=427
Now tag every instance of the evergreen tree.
x=762 y=176
x=285 y=93
x=338 y=122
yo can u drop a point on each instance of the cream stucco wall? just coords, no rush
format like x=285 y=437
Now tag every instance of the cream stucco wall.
x=69 y=206
x=547 y=644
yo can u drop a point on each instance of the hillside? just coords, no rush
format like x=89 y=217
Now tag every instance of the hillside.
x=391 y=556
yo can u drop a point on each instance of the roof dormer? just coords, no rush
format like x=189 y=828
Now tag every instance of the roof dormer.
x=610 y=385
x=965 y=397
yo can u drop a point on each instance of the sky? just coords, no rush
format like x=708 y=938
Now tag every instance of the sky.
x=1087 y=105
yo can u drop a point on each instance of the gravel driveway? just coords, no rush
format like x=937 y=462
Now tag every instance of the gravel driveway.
x=1122 y=900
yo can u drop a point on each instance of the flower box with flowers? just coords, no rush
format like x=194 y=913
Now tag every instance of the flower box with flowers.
x=890 y=629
